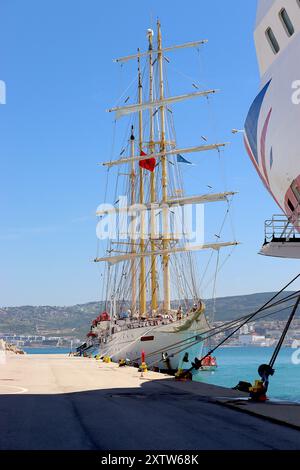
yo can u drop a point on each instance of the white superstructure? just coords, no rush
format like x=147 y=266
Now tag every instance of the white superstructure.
x=269 y=16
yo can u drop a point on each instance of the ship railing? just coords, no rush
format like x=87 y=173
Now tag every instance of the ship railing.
x=146 y=323
x=136 y=325
x=281 y=229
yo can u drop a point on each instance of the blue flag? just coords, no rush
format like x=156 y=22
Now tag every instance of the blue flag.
x=181 y=159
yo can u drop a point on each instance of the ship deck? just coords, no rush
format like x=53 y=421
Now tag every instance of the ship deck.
x=57 y=402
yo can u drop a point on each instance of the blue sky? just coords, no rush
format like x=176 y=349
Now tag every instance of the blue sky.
x=56 y=60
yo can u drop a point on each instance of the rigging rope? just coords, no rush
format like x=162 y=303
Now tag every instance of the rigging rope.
x=283 y=336
x=193 y=340
x=228 y=326
x=244 y=323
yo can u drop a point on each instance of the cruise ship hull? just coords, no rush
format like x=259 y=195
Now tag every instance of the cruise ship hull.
x=272 y=124
x=272 y=132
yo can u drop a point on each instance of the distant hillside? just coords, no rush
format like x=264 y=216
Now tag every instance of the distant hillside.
x=45 y=320
x=75 y=320
x=231 y=308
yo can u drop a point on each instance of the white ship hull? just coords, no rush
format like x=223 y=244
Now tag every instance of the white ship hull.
x=155 y=341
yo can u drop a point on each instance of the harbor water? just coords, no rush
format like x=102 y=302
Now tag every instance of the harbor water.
x=241 y=364
x=47 y=350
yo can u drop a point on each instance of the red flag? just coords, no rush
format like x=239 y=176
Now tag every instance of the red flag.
x=148 y=164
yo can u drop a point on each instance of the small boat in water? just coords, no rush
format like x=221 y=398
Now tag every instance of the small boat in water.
x=209 y=364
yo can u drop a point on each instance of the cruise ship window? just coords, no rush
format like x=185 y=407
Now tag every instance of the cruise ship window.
x=296 y=191
x=291 y=205
x=272 y=41
x=286 y=21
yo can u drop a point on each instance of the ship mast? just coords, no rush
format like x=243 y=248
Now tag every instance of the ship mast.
x=143 y=303
x=164 y=163
x=152 y=179
x=133 y=250
x=140 y=252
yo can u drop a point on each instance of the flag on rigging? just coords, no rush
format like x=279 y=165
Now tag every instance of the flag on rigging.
x=147 y=164
x=181 y=159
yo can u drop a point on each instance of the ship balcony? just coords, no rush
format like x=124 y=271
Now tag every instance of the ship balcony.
x=282 y=238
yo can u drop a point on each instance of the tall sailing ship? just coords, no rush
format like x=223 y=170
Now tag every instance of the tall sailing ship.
x=146 y=268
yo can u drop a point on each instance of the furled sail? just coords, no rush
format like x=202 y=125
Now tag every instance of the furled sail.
x=135 y=108
x=164 y=49
x=183 y=249
x=137 y=158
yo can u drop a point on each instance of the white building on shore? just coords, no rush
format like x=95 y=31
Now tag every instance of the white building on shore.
x=254 y=340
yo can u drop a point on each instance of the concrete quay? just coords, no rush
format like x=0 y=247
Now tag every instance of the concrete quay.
x=54 y=402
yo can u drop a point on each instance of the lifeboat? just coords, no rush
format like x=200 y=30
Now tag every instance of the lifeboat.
x=103 y=317
x=91 y=335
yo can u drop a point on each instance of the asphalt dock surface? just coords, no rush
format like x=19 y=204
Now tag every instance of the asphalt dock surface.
x=54 y=402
